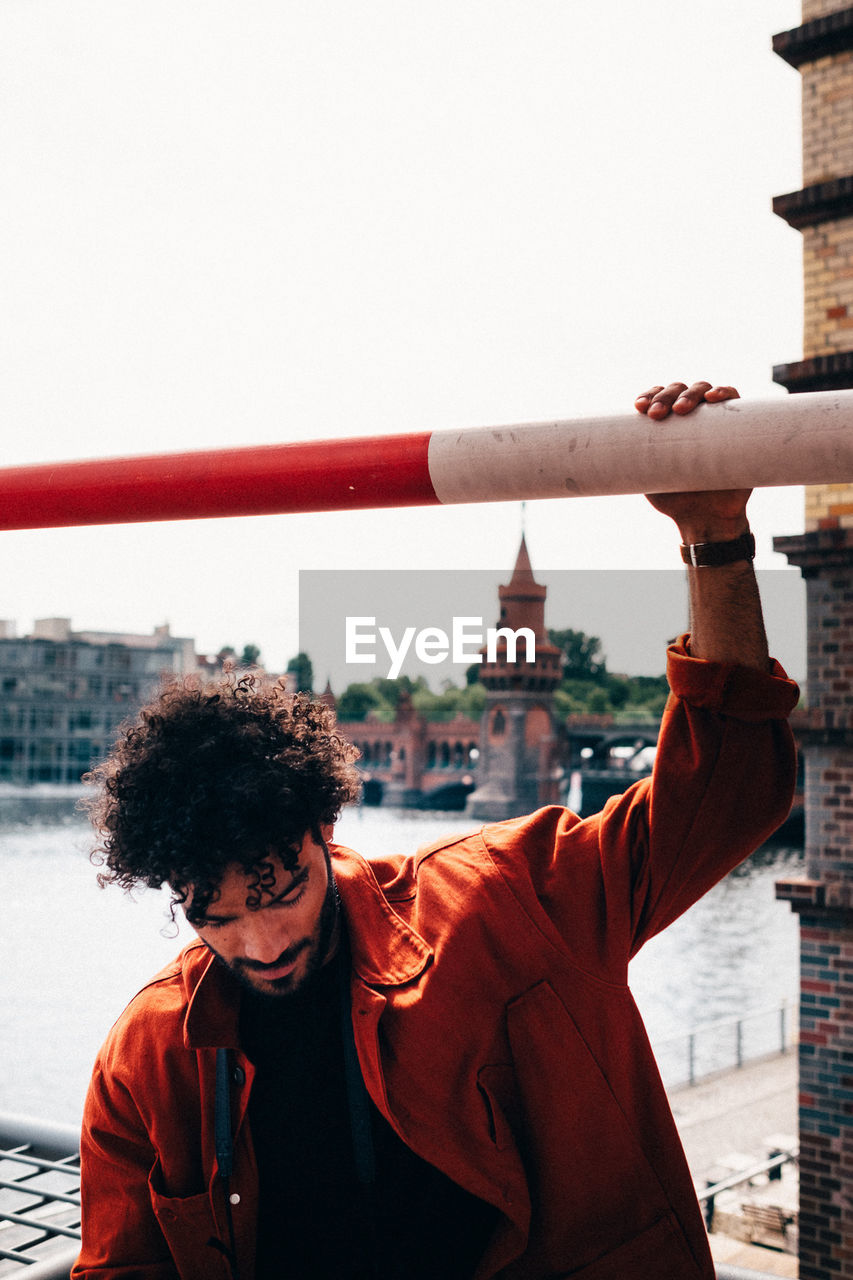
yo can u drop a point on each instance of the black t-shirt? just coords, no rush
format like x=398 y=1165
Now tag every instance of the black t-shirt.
x=314 y=1220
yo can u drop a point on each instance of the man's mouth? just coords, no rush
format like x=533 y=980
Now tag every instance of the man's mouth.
x=279 y=968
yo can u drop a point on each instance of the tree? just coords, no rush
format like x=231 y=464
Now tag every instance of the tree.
x=358 y=700
x=380 y=699
x=618 y=691
x=250 y=655
x=583 y=659
x=301 y=667
x=451 y=702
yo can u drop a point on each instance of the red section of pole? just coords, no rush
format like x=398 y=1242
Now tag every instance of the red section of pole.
x=330 y=475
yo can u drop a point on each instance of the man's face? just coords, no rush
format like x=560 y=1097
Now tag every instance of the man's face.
x=275 y=947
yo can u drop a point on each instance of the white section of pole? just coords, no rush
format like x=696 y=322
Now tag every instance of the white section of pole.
x=803 y=439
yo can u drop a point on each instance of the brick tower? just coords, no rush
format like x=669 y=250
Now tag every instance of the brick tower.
x=822 y=49
x=516 y=769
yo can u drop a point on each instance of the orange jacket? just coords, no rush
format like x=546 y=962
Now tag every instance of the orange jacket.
x=493 y=1022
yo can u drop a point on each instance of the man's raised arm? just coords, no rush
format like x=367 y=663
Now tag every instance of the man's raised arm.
x=726 y=623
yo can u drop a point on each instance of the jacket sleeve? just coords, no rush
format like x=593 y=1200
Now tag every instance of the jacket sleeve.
x=122 y=1239
x=722 y=782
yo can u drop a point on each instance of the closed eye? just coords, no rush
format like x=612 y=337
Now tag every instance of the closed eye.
x=294 y=891
x=288 y=897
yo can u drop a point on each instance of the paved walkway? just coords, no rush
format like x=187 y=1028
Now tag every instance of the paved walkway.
x=737 y=1112
x=729 y=1122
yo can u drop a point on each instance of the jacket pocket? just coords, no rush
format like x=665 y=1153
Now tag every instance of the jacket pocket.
x=654 y=1253
x=596 y=1188
x=496 y=1083
x=189 y=1228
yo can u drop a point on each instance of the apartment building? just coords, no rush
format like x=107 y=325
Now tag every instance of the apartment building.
x=63 y=693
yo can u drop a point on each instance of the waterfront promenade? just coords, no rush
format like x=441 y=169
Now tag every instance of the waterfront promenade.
x=729 y=1122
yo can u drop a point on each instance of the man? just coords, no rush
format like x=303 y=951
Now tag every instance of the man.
x=426 y=1067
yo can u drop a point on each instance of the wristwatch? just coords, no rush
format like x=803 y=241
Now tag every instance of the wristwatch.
x=707 y=555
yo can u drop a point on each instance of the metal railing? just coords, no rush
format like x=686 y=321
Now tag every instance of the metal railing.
x=39 y=1198
x=777 y=1034
x=708 y=1197
x=728 y=449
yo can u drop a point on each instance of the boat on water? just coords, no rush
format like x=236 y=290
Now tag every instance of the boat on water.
x=617 y=760
x=607 y=766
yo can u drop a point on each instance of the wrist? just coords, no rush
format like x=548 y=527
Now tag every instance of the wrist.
x=714 y=529
x=716 y=554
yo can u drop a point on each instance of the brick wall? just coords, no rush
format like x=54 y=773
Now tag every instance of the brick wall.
x=823 y=211
x=829 y=628
x=827 y=116
x=827 y=130
x=829 y=506
x=829 y=840
x=820 y=8
x=824 y=902
x=828 y=285
x=826 y=1100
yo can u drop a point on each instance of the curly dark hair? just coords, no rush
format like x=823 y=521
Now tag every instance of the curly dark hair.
x=215 y=775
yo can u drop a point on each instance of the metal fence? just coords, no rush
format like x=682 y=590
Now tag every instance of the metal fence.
x=39 y=1198
x=772 y=1167
x=728 y=1042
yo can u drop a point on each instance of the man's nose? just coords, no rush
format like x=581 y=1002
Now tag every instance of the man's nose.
x=264 y=939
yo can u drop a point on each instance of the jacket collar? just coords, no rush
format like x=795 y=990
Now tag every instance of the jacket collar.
x=385 y=952
x=213 y=1001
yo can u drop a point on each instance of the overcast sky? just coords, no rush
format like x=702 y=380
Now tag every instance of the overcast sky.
x=229 y=224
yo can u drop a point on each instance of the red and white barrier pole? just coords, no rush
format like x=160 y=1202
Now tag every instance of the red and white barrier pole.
x=804 y=439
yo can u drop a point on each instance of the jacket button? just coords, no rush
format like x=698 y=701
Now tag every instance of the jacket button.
x=239 y=1075
x=234 y=1198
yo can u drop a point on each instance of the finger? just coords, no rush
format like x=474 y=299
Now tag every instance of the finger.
x=644 y=399
x=717 y=394
x=644 y=402
x=690 y=396
x=664 y=399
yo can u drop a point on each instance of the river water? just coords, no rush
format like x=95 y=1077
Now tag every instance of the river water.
x=71 y=954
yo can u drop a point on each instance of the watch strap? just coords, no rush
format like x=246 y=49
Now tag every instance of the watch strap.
x=703 y=555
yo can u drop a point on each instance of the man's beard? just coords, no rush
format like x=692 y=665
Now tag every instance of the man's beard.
x=319 y=946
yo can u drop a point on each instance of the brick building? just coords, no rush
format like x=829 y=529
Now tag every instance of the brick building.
x=63 y=693
x=511 y=754
x=518 y=769
x=822 y=50
x=414 y=759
